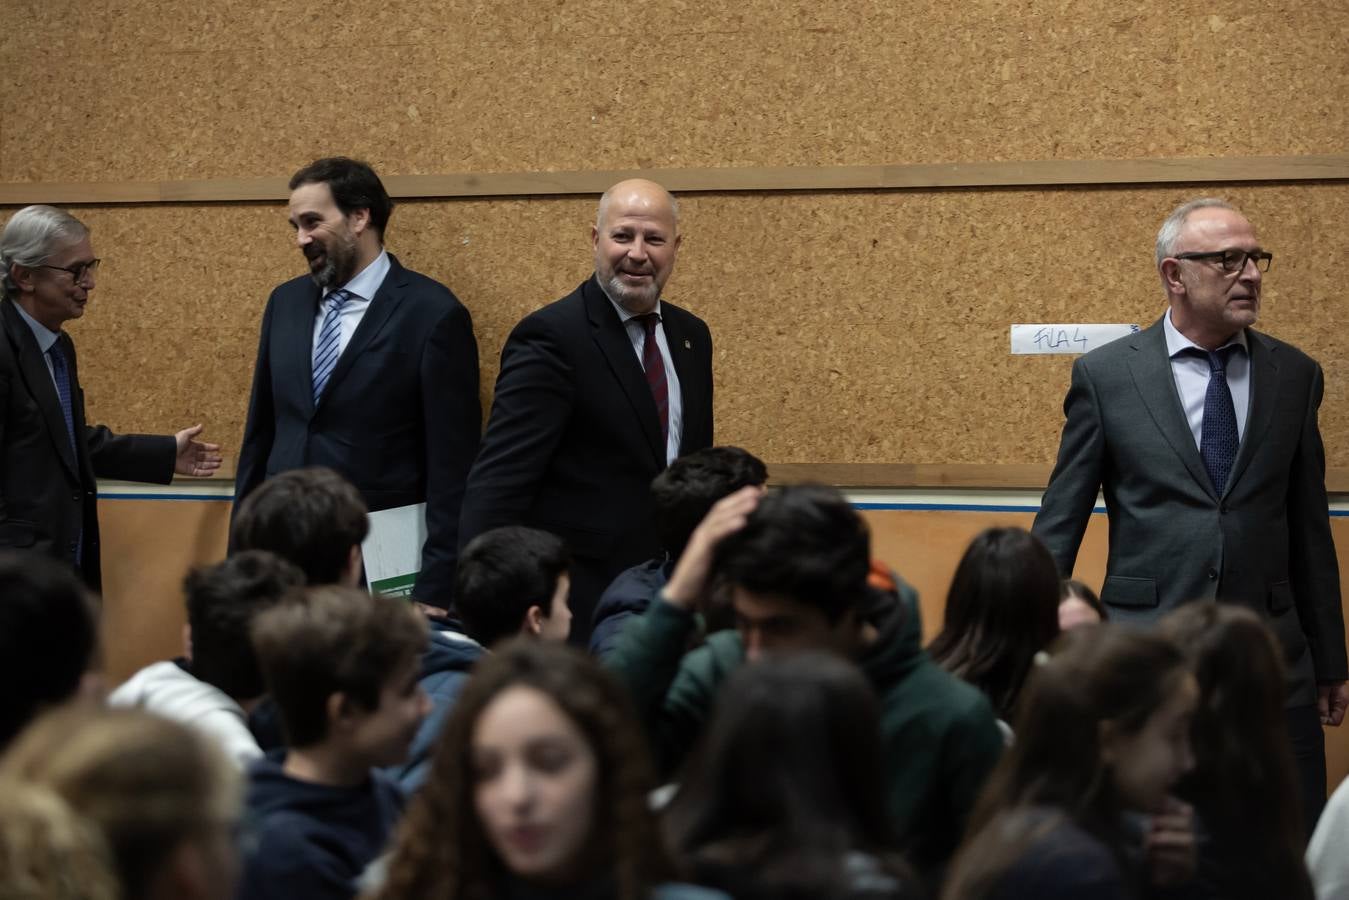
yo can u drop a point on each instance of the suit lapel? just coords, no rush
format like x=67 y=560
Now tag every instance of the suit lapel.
x=38 y=378
x=1151 y=370
x=612 y=338
x=1264 y=390
x=293 y=345
x=381 y=307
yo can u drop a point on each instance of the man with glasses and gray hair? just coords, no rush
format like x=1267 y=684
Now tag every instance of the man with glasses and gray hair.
x=1202 y=433
x=49 y=457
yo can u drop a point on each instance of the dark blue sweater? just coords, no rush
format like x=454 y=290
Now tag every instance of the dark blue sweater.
x=311 y=841
x=625 y=598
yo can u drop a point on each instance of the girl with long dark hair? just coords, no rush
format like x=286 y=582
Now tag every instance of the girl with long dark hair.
x=1103 y=732
x=1243 y=787
x=1001 y=610
x=782 y=798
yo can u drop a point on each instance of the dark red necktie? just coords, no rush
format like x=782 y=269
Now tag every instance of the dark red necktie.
x=655 y=373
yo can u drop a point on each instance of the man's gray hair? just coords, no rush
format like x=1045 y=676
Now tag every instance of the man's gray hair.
x=31 y=236
x=1169 y=234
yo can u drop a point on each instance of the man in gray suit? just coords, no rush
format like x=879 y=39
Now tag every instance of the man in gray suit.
x=1202 y=434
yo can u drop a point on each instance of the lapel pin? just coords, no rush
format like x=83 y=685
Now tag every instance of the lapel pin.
x=688 y=346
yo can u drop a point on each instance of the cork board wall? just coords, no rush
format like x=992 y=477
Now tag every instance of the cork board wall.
x=865 y=327
x=850 y=327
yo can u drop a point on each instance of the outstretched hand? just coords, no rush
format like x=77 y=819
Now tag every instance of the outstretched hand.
x=727 y=516
x=195 y=457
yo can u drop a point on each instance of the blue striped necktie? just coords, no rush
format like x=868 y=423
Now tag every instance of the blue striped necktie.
x=330 y=342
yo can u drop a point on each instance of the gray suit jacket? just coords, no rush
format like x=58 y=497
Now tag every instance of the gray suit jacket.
x=1263 y=543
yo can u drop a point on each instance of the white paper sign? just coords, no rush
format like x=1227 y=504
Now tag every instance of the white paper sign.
x=1065 y=338
x=393 y=549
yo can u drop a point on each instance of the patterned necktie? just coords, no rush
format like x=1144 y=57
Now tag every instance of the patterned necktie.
x=329 y=343
x=654 y=366
x=62 y=374
x=1218 y=439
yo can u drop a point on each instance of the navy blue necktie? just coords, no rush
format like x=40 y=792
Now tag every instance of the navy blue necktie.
x=61 y=373
x=1218 y=438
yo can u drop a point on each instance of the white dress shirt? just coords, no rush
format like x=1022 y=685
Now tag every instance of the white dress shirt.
x=362 y=289
x=637 y=334
x=1192 y=375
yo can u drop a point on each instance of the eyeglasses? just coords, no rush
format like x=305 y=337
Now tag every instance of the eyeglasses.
x=79 y=271
x=1233 y=260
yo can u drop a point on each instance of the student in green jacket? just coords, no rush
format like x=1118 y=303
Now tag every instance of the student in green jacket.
x=796 y=566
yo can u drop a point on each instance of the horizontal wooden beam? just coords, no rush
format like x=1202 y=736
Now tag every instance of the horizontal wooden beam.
x=1034 y=173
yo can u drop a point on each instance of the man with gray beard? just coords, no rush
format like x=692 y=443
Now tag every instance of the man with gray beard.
x=367 y=368
x=598 y=392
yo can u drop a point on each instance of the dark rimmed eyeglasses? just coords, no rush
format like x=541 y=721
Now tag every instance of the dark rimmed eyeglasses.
x=78 y=272
x=1233 y=260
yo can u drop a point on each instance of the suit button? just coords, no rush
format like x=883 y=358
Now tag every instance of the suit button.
x=74 y=546
x=75 y=496
x=1212 y=574
x=1223 y=509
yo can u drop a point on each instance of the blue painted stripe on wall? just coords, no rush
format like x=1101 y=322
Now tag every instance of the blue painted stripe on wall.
x=225 y=497
x=911 y=507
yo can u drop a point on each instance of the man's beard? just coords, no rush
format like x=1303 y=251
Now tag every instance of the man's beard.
x=633 y=299
x=339 y=265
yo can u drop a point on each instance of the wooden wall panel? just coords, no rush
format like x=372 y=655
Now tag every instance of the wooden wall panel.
x=148 y=546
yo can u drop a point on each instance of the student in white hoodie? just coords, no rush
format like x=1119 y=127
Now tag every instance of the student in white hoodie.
x=216 y=683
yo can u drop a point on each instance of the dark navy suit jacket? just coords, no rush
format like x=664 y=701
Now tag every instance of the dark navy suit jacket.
x=400 y=417
x=47 y=492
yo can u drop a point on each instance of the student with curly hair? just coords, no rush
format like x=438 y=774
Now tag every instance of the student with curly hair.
x=538 y=789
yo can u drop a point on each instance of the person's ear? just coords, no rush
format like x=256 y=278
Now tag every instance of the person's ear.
x=533 y=624
x=351 y=575
x=339 y=709
x=359 y=221
x=187 y=642
x=22 y=276
x=1171 y=280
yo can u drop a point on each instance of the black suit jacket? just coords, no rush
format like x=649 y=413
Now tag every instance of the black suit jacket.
x=573 y=440
x=1264 y=541
x=400 y=417
x=47 y=493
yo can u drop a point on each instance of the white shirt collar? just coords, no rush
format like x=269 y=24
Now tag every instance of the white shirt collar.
x=366 y=282
x=1177 y=342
